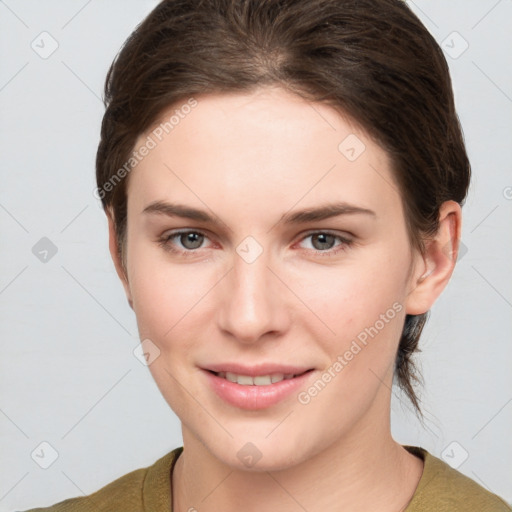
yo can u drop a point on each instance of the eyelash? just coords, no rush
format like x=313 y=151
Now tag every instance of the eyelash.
x=165 y=243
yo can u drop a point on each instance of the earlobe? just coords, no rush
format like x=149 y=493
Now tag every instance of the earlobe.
x=433 y=273
x=115 y=254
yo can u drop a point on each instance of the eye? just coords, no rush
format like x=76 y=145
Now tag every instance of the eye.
x=189 y=240
x=323 y=243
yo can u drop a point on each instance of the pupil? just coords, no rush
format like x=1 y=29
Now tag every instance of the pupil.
x=323 y=243
x=193 y=238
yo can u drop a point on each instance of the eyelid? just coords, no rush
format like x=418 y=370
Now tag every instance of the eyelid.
x=346 y=241
x=168 y=235
x=333 y=232
x=179 y=231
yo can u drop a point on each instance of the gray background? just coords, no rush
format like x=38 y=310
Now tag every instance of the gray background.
x=68 y=373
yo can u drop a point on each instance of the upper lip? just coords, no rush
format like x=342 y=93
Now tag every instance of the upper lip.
x=258 y=369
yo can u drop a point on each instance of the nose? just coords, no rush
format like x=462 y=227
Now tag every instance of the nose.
x=253 y=301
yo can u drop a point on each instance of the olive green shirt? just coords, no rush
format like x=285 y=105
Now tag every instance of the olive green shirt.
x=440 y=489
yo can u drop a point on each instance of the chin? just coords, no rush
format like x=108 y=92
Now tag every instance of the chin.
x=260 y=454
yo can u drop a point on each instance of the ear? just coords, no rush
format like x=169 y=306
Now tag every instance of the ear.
x=114 y=253
x=433 y=270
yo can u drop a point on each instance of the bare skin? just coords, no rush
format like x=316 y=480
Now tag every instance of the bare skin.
x=247 y=160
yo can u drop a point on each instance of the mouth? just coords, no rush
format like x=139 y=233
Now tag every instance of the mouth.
x=257 y=380
x=256 y=389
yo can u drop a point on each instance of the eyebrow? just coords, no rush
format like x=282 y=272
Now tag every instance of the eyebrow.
x=312 y=214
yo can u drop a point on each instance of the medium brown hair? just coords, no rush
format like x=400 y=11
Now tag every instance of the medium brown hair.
x=373 y=60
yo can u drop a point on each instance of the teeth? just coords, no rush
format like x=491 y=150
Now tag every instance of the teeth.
x=244 y=380
x=260 y=380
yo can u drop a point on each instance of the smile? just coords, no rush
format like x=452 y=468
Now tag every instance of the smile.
x=257 y=391
x=260 y=380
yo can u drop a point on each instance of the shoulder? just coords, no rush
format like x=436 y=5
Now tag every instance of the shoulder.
x=442 y=488
x=144 y=489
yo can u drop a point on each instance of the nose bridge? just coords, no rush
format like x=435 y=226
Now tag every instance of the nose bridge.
x=251 y=299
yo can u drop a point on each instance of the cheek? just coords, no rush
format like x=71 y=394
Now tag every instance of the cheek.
x=363 y=307
x=164 y=294
x=353 y=296
x=361 y=361
x=167 y=304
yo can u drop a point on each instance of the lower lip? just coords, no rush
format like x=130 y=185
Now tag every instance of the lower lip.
x=255 y=397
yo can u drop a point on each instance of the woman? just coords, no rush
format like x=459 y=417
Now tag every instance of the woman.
x=283 y=182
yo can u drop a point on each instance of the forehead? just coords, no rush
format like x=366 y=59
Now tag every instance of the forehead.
x=266 y=148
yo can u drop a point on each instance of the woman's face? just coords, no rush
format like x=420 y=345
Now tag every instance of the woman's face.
x=257 y=289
